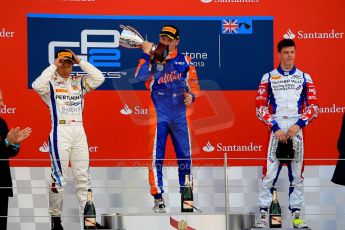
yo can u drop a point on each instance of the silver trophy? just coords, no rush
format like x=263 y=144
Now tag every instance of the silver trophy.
x=131 y=38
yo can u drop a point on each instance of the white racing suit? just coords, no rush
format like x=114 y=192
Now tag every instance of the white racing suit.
x=67 y=140
x=285 y=98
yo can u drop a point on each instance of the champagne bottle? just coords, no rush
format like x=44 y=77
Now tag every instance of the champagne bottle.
x=187 y=196
x=89 y=212
x=275 y=213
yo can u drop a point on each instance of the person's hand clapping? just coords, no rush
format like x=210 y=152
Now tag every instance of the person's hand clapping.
x=16 y=136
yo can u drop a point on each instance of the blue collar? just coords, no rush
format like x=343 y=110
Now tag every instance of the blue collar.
x=286 y=73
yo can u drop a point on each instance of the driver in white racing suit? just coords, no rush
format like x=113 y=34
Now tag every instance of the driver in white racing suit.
x=64 y=96
x=286 y=102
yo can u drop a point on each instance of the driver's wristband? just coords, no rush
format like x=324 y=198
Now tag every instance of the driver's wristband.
x=15 y=146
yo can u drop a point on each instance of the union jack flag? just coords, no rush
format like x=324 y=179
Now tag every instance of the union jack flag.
x=230 y=26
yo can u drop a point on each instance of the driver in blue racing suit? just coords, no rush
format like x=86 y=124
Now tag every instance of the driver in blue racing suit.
x=174 y=86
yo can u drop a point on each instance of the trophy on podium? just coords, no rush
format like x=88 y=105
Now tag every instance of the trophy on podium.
x=131 y=38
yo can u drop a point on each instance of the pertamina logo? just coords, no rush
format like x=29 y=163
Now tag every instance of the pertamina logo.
x=232 y=148
x=301 y=34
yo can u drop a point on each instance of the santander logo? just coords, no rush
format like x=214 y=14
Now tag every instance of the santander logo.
x=7 y=110
x=126 y=110
x=208 y=147
x=334 y=108
x=44 y=148
x=301 y=34
x=4 y=33
x=289 y=35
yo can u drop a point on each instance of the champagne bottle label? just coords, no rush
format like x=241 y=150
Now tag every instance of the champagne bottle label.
x=187 y=204
x=276 y=220
x=90 y=221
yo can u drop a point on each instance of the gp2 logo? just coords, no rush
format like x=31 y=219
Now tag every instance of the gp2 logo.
x=98 y=53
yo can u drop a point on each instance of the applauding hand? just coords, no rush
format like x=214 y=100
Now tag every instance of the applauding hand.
x=16 y=136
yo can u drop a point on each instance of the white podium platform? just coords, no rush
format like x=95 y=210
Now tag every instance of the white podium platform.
x=179 y=221
x=164 y=221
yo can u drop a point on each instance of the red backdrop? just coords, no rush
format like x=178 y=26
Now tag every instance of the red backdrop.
x=230 y=122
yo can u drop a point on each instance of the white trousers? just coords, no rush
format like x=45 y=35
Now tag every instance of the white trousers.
x=273 y=167
x=68 y=144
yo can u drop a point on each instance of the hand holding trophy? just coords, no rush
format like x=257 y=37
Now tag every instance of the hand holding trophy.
x=131 y=38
